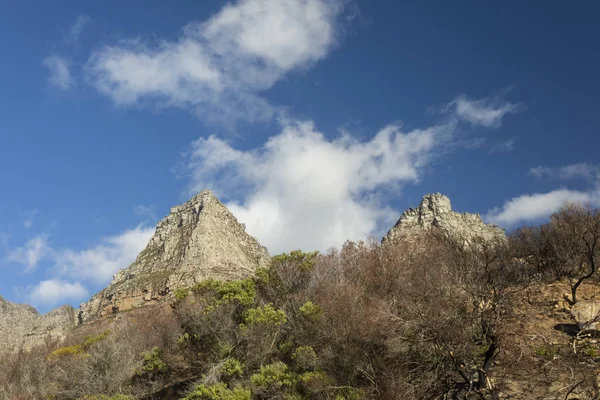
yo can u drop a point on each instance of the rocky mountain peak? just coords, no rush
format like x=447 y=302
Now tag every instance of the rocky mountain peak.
x=435 y=210
x=22 y=327
x=199 y=239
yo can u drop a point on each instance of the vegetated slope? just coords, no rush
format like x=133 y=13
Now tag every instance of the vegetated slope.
x=421 y=317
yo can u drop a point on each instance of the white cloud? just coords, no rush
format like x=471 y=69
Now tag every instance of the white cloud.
x=302 y=190
x=100 y=262
x=487 y=112
x=60 y=73
x=219 y=67
x=533 y=207
x=34 y=250
x=572 y=171
x=50 y=292
x=72 y=37
x=145 y=212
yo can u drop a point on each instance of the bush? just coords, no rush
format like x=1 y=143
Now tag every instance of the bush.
x=218 y=391
x=305 y=358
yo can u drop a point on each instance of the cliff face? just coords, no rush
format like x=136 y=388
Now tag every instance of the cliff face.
x=21 y=326
x=435 y=211
x=198 y=240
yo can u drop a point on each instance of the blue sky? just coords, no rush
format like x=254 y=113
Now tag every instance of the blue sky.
x=313 y=120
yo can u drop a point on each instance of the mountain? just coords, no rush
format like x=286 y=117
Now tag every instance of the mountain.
x=21 y=326
x=435 y=211
x=198 y=240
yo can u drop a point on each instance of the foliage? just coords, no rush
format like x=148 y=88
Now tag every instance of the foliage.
x=265 y=315
x=311 y=311
x=273 y=378
x=218 y=391
x=232 y=368
x=152 y=363
x=305 y=358
x=79 y=349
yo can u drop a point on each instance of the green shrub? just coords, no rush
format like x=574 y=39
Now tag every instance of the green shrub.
x=242 y=291
x=305 y=261
x=273 y=378
x=232 y=368
x=79 y=349
x=311 y=311
x=305 y=358
x=349 y=393
x=181 y=294
x=218 y=391
x=315 y=381
x=266 y=315
x=153 y=363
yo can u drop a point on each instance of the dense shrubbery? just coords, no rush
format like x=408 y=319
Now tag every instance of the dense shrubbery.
x=400 y=322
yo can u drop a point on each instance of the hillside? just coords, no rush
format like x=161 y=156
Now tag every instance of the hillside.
x=445 y=307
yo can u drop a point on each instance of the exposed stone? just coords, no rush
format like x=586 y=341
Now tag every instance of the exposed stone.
x=435 y=211
x=22 y=327
x=587 y=314
x=198 y=240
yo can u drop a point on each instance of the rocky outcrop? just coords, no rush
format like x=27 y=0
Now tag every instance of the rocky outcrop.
x=587 y=315
x=198 y=240
x=435 y=211
x=22 y=327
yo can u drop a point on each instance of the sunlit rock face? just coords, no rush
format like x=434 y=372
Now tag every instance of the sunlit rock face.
x=22 y=327
x=435 y=211
x=198 y=240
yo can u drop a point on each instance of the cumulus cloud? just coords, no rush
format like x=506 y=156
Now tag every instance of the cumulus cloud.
x=50 y=292
x=302 y=190
x=60 y=73
x=537 y=206
x=220 y=66
x=72 y=37
x=486 y=112
x=100 y=262
x=584 y=171
x=31 y=253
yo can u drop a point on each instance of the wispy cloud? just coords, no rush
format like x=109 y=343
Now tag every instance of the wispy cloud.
x=486 y=112
x=31 y=253
x=145 y=212
x=537 y=206
x=98 y=263
x=51 y=292
x=583 y=171
x=72 y=37
x=219 y=67
x=29 y=218
x=502 y=147
x=60 y=73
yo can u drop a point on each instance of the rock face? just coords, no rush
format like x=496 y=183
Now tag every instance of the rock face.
x=198 y=240
x=435 y=211
x=22 y=327
x=587 y=315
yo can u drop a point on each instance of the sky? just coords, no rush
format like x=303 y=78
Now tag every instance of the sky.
x=314 y=121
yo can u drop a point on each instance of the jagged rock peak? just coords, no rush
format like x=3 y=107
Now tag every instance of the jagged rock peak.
x=22 y=327
x=199 y=239
x=435 y=210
